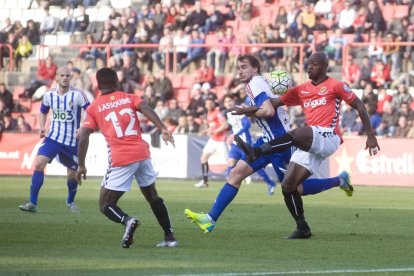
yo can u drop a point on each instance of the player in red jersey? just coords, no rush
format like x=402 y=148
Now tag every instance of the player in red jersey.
x=217 y=130
x=321 y=100
x=114 y=113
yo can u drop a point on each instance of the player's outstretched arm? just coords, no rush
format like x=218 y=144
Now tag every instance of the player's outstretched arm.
x=84 y=134
x=148 y=112
x=276 y=102
x=372 y=143
x=249 y=111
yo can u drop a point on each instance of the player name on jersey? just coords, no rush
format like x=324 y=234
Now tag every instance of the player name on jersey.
x=114 y=104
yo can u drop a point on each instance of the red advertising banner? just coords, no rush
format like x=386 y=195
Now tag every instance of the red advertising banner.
x=393 y=166
x=18 y=153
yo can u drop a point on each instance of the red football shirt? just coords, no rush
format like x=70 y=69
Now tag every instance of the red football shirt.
x=321 y=103
x=215 y=118
x=115 y=115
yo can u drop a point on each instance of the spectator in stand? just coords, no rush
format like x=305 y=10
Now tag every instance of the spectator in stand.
x=125 y=84
x=23 y=50
x=281 y=18
x=375 y=20
x=17 y=28
x=346 y=18
x=114 y=14
x=163 y=87
x=204 y=75
x=150 y=96
x=336 y=43
x=352 y=73
x=308 y=16
x=324 y=8
x=7 y=97
x=181 y=41
x=80 y=80
x=375 y=119
x=145 y=13
x=32 y=32
x=402 y=96
x=405 y=111
x=268 y=54
x=402 y=128
x=359 y=20
x=5 y=51
x=388 y=122
x=392 y=54
x=383 y=99
x=193 y=126
x=370 y=99
x=347 y=124
x=165 y=47
x=214 y=21
x=322 y=44
x=152 y=30
x=194 y=53
x=410 y=133
x=366 y=69
x=3 y=109
x=197 y=106
x=144 y=53
x=127 y=27
x=7 y=26
x=159 y=18
x=380 y=75
x=130 y=68
x=181 y=17
x=197 y=19
x=170 y=20
x=68 y=22
x=161 y=109
x=219 y=54
x=174 y=111
x=182 y=126
x=22 y=125
x=10 y=124
x=49 y=23
x=292 y=13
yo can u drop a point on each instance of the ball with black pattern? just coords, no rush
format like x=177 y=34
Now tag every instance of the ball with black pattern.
x=279 y=81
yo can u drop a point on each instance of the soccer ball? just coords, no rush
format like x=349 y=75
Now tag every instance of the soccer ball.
x=280 y=81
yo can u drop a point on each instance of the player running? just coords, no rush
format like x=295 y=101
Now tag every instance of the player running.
x=115 y=114
x=66 y=104
x=240 y=125
x=321 y=100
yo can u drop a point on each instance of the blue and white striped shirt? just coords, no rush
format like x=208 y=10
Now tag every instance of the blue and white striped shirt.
x=66 y=114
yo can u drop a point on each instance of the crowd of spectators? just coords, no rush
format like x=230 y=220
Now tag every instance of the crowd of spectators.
x=177 y=27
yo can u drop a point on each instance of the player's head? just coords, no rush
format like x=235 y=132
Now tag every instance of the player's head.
x=247 y=67
x=317 y=66
x=107 y=80
x=228 y=101
x=63 y=77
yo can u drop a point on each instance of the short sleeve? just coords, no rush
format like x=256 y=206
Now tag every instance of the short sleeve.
x=136 y=101
x=90 y=121
x=291 y=98
x=84 y=102
x=344 y=92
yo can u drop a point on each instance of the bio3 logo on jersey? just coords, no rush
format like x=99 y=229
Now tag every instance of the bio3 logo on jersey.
x=315 y=103
x=63 y=115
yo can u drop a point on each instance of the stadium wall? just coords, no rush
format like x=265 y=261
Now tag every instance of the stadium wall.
x=393 y=166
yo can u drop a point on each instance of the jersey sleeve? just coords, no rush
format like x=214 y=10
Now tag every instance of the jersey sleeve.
x=259 y=89
x=136 y=101
x=344 y=92
x=90 y=120
x=84 y=102
x=291 y=98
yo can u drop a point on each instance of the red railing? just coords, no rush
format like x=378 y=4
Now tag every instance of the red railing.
x=11 y=61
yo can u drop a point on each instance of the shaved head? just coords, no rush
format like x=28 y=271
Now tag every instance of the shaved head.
x=63 y=70
x=320 y=57
x=63 y=77
x=317 y=66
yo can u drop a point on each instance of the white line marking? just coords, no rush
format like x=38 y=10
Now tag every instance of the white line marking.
x=336 y=271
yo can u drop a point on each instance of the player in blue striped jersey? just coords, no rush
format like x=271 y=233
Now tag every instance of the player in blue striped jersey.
x=66 y=104
x=240 y=125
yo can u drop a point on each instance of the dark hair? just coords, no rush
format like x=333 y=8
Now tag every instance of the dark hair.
x=253 y=61
x=107 y=78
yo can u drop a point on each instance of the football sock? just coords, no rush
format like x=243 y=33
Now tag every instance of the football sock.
x=315 y=186
x=295 y=205
x=225 y=196
x=37 y=182
x=265 y=177
x=72 y=189
x=277 y=145
x=161 y=213
x=114 y=213
x=204 y=170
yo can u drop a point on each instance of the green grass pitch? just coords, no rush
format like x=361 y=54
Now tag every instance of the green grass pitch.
x=371 y=233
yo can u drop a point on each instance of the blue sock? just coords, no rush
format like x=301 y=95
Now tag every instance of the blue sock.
x=265 y=177
x=226 y=195
x=315 y=186
x=72 y=189
x=37 y=182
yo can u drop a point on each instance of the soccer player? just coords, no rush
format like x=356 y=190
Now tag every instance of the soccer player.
x=274 y=123
x=217 y=130
x=66 y=103
x=115 y=114
x=321 y=100
x=240 y=125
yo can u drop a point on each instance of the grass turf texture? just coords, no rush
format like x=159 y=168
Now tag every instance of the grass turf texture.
x=371 y=231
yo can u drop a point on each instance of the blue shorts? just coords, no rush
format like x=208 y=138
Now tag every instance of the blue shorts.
x=66 y=155
x=236 y=153
x=279 y=160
